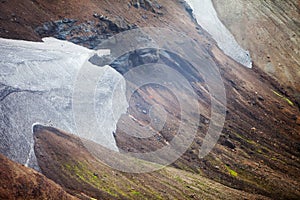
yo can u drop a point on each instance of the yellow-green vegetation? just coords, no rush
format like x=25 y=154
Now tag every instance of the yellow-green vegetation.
x=178 y=179
x=170 y=183
x=259 y=151
x=278 y=160
x=245 y=139
x=135 y=193
x=285 y=98
x=231 y=171
x=83 y=173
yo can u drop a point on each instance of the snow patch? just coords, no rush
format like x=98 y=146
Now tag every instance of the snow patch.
x=44 y=75
x=207 y=18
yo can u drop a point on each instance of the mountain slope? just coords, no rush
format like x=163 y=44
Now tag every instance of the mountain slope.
x=19 y=182
x=73 y=167
x=271 y=32
x=258 y=150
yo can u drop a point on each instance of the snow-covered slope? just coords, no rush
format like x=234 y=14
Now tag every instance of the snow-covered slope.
x=36 y=86
x=207 y=18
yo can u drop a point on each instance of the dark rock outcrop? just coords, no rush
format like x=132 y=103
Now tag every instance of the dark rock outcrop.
x=148 y=5
x=88 y=34
x=188 y=9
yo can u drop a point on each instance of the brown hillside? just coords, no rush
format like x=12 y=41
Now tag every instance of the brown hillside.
x=20 y=182
x=259 y=149
x=64 y=159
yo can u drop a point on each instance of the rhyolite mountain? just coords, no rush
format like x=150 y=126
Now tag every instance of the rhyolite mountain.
x=20 y=182
x=258 y=151
x=269 y=29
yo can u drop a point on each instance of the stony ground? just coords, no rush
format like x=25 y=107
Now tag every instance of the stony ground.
x=19 y=182
x=271 y=31
x=258 y=151
x=74 y=168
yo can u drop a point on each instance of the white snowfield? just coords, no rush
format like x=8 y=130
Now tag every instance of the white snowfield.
x=36 y=86
x=207 y=18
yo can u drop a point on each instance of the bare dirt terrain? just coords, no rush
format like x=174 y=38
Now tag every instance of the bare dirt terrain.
x=259 y=149
x=20 y=182
x=271 y=31
x=73 y=167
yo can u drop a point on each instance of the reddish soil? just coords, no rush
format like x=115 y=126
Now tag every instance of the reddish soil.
x=20 y=182
x=76 y=170
x=263 y=126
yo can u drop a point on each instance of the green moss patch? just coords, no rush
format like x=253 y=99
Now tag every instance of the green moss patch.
x=231 y=171
x=284 y=98
x=135 y=193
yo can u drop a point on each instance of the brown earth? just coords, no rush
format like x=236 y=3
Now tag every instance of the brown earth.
x=76 y=170
x=259 y=150
x=20 y=182
x=258 y=121
x=19 y=19
x=271 y=32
